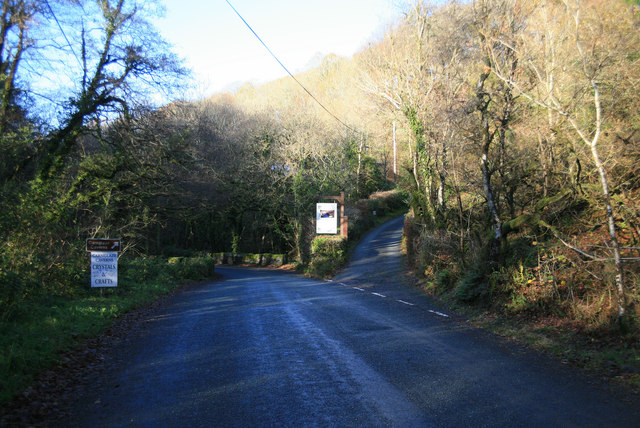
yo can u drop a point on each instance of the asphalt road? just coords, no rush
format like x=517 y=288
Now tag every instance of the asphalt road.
x=270 y=348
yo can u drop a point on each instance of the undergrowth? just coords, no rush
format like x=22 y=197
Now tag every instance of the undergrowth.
x=539 y=292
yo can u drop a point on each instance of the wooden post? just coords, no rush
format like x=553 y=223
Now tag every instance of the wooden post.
x=344 y=227
x=344 y=221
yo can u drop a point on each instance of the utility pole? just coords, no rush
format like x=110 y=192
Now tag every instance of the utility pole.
x=395 y=157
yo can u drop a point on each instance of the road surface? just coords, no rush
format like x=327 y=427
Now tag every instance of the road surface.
x=270 y=348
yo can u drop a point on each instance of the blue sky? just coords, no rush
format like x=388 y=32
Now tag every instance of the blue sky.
x=223 y=52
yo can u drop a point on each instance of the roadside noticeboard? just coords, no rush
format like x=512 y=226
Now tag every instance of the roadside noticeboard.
x=104 y=269
x=327 y=218
x=104 y=262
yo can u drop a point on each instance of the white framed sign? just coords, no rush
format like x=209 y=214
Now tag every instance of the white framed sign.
x=104 y=269
x=327 y=218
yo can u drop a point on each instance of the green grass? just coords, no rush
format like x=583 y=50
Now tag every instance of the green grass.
x=43 y=326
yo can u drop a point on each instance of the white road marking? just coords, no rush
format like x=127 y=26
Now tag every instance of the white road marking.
x=398 y=300
x=439 y=313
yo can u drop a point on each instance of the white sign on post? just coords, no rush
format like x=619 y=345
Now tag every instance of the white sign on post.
x=327 y=218
x=104 y=269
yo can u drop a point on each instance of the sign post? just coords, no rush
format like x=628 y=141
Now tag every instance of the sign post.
x=326 y=222
x=326 y=219
x=103 y=244
x=104 y=262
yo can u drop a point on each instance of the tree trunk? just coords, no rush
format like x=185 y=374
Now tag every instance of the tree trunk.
x=604 y=182
x=487 y=138
x=415 y=170
x=615 y=247
x=359 y=170
x=493 y=211
x=443 y=173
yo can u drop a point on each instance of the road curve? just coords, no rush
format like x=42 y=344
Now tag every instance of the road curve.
x=269 y=348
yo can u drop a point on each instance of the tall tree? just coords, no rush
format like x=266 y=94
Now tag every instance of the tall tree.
x=494 y=100
x=120 y=63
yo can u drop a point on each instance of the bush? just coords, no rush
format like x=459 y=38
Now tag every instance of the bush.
x=392 y=199
x=171 y=251
x=445 y=280
x=472 y=287
x=149 y=269
x=360 y=222
x=328 y=254
x=439 y=250
x=383 y=203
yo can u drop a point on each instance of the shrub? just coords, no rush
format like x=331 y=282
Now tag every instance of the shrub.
x=392 y=199
x=360 y=222
x=149 y=269
x=472 y=287
x=328 y=254
x=445 y=280
x=383 y=203
x=439 y=250
x=171 y=251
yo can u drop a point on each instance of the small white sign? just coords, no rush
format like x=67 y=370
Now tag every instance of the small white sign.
x=104 y=269
x=326 y=218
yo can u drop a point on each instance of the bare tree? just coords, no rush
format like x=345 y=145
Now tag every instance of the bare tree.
x=407 y=71
x=494 y=102
x=570 y=83
x=118 y=64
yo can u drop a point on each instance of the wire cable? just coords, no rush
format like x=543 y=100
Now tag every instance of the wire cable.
x=63 y=33
x=287 y=70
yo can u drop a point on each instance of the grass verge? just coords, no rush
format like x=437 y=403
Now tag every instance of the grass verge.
x=45 y=325
x=603 y=352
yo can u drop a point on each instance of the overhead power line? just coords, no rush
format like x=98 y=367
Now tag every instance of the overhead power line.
x=63 y=33
x=287 y=70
